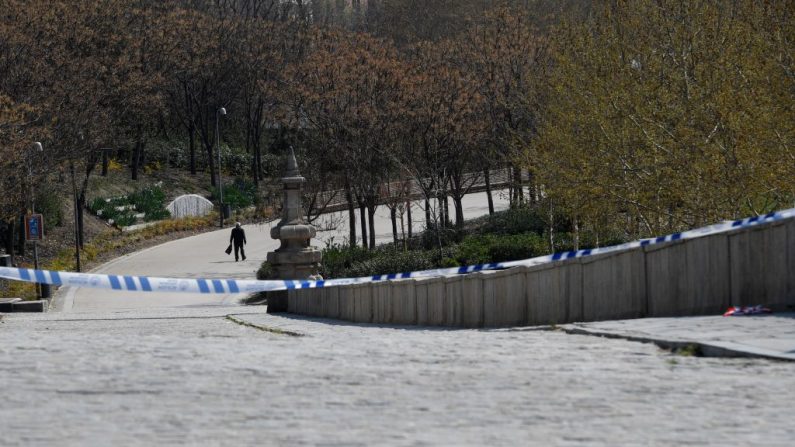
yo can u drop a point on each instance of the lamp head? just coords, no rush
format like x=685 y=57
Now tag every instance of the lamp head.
x=37 y=147
x=221 y=111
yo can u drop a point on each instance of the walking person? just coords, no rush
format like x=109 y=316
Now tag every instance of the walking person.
x=238 y=239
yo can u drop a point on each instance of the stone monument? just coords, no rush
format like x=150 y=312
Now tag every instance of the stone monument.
x=295 y=258
x=189 y=205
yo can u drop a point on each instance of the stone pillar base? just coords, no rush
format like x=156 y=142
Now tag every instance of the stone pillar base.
x=277 y=301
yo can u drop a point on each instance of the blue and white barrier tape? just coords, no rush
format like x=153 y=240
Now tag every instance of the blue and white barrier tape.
x=223 y=286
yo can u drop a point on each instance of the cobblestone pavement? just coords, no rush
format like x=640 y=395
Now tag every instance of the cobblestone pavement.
x=766 y=335
x=191 y=376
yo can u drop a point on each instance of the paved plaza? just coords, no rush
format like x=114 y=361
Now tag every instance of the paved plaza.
x=227 y=375
x=765 y=335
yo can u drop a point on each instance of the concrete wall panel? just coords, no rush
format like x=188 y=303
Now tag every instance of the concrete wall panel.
x=403 y=302
x=504 y=302
x=331 y=302
x=759 y=270
x=430 y=295
x=571 y=277
x=346 y=300
x=472 y=300
x=315 y=303
x=790 y=301
x=614 y=286
x=382 y=302
x=453 y=301
x=549 y=292
x=363 y=307
x=421 y=296
x=688 y=277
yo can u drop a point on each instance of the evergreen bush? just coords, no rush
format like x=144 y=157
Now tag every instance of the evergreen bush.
x=238 y=194
x=514 y=221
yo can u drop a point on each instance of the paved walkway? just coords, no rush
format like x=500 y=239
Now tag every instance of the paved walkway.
x=203 y=256
x=192 y=376
x=770 y=335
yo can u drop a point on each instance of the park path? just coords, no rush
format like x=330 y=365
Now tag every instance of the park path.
x=202 y=256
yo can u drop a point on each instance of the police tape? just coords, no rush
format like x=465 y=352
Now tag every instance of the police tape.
x=227 y=286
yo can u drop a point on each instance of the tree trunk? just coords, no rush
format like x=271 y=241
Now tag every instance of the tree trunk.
x=205 y=122
x=9 y=239
x=134 y=162
x=351 y=215
x=517 y=188
x=363 y=219
x=256 y=143
x=551 y=228
x=192 y=147
x=393 y=216
x=487 y=177
x=444 y=210
x=76 y=218
x=21 y=236
x=81 y=202
x=457 y=194
x=439 y=213
x=142 y=154
x=191 y=125
x=427 y=213
x=105 y=162
x=211 y=165
x=250 y=143
x=532 y=198
x=408 y=216
x=249 y=126
x=371 y=219
x=576 y=233
x=459 y=211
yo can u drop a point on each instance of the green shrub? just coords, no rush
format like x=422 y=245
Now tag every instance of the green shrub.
x=148 y=200
x=266 y=271
x=48 y=203
x=487 y=248
x=343 y=261
x=447 y=236
x=108 y=210
x=389 y=261
x=97 y=204
x=238 y=194
x=473 y=250
x=161 y=214
x=124 y=219
x=517 y=246
x=339 y=258
x=514 y=221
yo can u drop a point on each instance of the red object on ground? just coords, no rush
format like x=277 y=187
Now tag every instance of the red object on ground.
x=737 y=311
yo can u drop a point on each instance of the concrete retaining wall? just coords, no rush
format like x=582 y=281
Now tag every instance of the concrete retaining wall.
x=704 y=276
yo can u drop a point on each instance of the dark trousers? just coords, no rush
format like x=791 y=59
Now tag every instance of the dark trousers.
x=242 y=252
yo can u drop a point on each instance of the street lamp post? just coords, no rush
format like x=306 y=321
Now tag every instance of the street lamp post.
x=37 y=147
x=218 y=113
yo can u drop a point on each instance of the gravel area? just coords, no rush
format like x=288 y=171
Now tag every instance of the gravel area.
x=193 y=376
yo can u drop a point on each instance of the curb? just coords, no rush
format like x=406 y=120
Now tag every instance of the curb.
x=233 y=318
x=711 y=349
x=8 y=305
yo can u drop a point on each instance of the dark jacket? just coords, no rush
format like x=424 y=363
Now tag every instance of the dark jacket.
x=238 y=236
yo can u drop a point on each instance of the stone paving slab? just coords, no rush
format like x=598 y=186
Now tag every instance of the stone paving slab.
x=192 y=376
x=765 y=335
